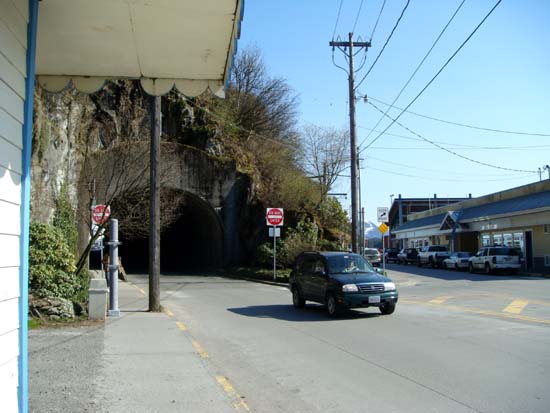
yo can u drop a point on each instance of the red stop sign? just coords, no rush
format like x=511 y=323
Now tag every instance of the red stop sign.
x=101 y=214
x=275 y=216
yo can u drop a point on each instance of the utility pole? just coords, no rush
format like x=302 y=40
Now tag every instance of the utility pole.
x=154 y=211
x=547 y=168
x=347 y=49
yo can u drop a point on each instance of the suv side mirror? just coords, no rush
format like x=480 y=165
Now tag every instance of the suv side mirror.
x=320 y=274
x=379 y=271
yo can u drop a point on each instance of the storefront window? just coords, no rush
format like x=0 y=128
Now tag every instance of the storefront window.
x=508 y=240
x=497 y=239
x=486 y=240
x=518 y=240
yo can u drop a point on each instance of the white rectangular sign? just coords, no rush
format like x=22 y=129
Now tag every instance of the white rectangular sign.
x=382 y=214
x=277 y=231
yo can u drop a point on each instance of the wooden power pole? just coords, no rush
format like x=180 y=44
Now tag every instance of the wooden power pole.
x=347 y=49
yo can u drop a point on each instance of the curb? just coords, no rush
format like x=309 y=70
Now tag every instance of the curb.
x=278 y=284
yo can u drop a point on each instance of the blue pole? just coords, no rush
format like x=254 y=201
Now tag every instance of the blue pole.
x=25 y=208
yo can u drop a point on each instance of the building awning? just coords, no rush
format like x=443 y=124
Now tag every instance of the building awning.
x=164 y=43
x=451 y=221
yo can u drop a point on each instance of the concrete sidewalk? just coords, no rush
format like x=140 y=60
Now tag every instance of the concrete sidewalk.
x=138 y=362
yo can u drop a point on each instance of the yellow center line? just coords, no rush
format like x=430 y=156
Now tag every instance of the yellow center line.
x=230 y=390
x=440 y=300
x=516 y=306
x=181 y=326
x=482 y=312
x=199 y=349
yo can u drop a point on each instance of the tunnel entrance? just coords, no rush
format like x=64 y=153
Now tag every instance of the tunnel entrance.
x=193 y=242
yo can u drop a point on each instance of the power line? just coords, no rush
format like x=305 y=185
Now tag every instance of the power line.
x=515 y=148
x=437 y=74
x=454 y=145
x=462 y=124
x=417 y=69
x=357 y=17
x=440 y=171
x=446 y=149
x=337 y=19
x=436 y=178
x=377 y=20
x=385 y=44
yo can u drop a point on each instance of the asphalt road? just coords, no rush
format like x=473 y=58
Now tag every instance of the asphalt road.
x=456 y=343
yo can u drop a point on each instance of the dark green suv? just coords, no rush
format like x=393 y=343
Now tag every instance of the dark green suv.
x=340 y=280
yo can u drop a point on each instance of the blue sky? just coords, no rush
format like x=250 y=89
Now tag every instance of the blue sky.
x=499 y=80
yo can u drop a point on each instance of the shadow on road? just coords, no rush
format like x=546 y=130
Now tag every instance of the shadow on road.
x=454 y=275
x=311 y=312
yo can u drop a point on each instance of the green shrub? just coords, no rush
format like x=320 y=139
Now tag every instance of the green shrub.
x=51 y=263
x=302 y=238
x=65 y=218
x=264 y=255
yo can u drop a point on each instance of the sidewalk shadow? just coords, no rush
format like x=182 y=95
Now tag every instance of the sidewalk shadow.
x=310 y=313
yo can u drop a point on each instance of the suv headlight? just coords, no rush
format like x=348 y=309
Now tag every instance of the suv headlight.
x=350 y=288
x=389 y=287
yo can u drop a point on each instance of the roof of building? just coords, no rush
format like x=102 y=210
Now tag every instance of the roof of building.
x=422 y=222
x=508 y=206
x=522 y=203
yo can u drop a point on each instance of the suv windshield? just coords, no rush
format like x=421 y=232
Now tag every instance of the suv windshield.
x=347 y=263
x=371 y=251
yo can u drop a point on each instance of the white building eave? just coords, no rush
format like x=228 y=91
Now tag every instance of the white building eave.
x=164 y=43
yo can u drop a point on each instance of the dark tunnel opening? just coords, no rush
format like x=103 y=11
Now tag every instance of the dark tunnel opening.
x=194 y=242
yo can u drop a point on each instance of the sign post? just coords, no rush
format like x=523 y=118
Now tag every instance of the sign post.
x=275 y=218
x=383 y=229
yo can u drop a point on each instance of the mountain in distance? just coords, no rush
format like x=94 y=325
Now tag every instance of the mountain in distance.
x=372 y=231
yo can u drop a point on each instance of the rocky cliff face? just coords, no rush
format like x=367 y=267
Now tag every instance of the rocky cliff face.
x=71 y=129
x=69 y=123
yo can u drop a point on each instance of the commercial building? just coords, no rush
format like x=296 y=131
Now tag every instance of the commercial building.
x=518 y=217
x=401 y=208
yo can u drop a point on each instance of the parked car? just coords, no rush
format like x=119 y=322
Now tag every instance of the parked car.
x=432 y=255
x=391 y=254
x=491 y=259
x=408 y=256
x=457 y=260
x=340 y=280
x=373 y=256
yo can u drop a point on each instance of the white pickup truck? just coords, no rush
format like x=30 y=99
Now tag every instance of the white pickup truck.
x=432 y=255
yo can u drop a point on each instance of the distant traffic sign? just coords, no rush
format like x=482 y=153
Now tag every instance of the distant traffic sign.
x=382 y=214
x=383 y=228
x=275 y=216
x=101 y=214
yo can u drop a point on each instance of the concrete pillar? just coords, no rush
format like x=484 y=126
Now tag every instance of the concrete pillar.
x=97 y=297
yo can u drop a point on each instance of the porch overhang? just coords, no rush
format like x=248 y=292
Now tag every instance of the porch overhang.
x=163 y=43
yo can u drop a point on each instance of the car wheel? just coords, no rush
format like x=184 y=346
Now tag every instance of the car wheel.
x=456 y=266
x=471 y=268
x=487 y=268
x=432 y=262
x=387 y=308
x=332 y=306
x=297 y=298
